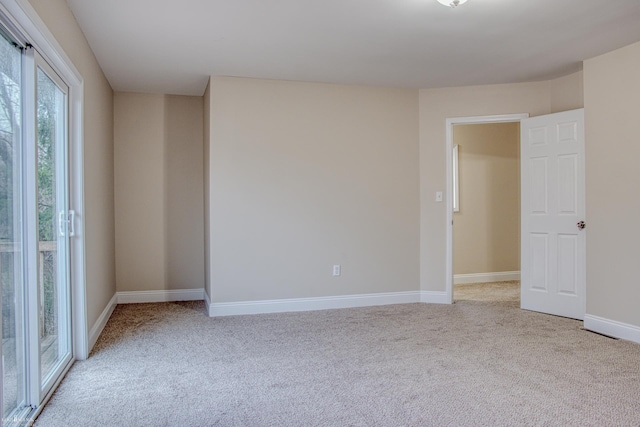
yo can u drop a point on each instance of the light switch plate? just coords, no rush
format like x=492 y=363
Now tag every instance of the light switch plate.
x=336 y=270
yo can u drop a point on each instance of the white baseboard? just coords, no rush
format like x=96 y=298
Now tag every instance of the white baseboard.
x=612 y=328
x=500 y=276
x=136 y=297
x=432 y=297
x=311 y=304
x=97 y=328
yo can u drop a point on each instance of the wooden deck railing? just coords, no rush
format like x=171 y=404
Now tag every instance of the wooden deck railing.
x=10 y=247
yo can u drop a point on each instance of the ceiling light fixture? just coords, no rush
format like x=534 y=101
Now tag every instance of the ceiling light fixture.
x=452 y=3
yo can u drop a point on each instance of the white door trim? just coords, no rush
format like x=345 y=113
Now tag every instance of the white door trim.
x=450 y=122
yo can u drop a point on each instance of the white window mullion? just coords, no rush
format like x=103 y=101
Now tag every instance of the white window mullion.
x=62 y=193
x=30 y=230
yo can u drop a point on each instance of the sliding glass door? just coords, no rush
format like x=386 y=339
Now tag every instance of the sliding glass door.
x=53 y=225
x=35 y=227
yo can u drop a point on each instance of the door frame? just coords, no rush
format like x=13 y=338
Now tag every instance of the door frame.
x=450 y=122
x=22 y=18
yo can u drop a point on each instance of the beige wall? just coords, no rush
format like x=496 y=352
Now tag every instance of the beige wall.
x=567 y=93
x=184 y=192
x=487 y=227
x=98 y=155
x=436 y=105
x=304 y=176
x=139 y=191
x=612 y=105
x=158 y=192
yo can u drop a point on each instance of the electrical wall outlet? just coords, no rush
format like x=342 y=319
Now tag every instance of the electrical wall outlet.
x=336 y=270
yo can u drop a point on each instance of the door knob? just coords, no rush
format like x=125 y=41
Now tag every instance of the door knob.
x=581 y=225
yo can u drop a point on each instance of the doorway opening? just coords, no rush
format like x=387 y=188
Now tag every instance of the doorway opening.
x=475 y=191
x=486 y=233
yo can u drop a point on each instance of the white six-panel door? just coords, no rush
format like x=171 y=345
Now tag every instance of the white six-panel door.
x=553 y=214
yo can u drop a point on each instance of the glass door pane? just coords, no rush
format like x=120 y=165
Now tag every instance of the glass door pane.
x=11 y=254
x=53 y=226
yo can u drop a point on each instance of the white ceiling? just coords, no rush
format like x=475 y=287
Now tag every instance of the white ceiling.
x=169 y=46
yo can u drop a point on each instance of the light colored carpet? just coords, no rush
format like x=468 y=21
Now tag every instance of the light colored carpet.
x=473 y=363
x=492 y=291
